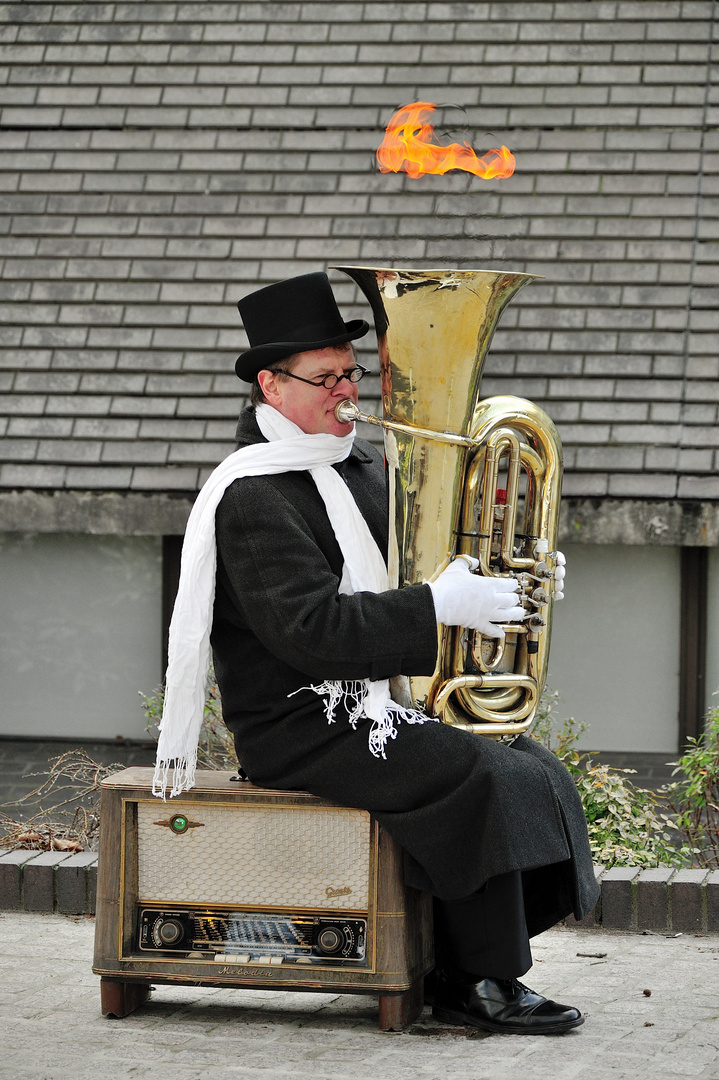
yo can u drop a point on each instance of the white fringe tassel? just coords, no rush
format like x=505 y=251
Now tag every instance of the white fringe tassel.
x=183 y=776
x=353 y=697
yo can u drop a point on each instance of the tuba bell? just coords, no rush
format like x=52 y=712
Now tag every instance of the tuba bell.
x=466 y=477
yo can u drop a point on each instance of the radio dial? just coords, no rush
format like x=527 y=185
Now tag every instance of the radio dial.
x=168 y=931
x=330 y=940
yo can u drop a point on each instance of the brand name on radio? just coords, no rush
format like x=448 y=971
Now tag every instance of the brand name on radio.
x=242 y=969
x=343 y=891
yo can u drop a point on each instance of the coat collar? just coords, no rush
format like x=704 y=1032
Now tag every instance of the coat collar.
x=248 y=433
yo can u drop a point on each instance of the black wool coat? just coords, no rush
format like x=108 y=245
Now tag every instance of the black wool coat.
x=464 y=808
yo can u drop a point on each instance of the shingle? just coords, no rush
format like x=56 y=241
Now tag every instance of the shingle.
x=78 y=405
x=18 y=449
x=97 y=477
x=137 y=452
x=132 y=337
x=112 y=383
x=39 y=426
x=243 y=31
x=96 y=360
x=22 y=404
x=608 y=214
x=169 y=478
x=32 y=476
x=45 y=382
x=78 y=291
x=106 y=429
x=173 y=429
x=204 y=453
x=68 y=451
x=643 y=484
x=21 y=359
x=108 y=32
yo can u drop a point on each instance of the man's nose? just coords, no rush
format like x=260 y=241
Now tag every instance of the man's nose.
x=340 y=386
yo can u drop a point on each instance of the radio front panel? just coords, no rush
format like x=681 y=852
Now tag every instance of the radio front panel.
x=253 y=856
x=256 y=938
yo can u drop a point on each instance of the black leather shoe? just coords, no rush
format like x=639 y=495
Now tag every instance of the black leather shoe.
x=501 y=1005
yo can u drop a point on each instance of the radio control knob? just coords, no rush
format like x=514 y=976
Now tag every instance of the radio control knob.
x=330 y=940
x=169 y=932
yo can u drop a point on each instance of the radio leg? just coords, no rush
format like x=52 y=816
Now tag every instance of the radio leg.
x=119 y=997
x=398 y=1011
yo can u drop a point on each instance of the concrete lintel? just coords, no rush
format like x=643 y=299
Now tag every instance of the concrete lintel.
x=94 y=513
x=584 y=521
x=666 y=523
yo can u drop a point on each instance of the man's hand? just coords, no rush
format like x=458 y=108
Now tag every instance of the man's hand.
x=479 y=603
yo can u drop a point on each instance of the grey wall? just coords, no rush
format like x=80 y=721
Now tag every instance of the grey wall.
x=80 y=634
x=615 y=646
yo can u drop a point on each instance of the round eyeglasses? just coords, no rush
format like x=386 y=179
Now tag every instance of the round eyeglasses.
x=329 y=381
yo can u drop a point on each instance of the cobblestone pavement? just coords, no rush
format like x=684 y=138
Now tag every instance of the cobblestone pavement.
x=51 y=1027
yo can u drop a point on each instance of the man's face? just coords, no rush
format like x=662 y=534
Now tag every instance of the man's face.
x=312 y=408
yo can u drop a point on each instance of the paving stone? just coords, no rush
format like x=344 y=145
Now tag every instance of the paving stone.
x=617 y=898
x=653 y=898
x=38 y=876
x=11 y=864
x=74 y=886
x=51 y=1022
x=687 y=900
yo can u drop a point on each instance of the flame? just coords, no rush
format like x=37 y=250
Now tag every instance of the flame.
x=410 y=146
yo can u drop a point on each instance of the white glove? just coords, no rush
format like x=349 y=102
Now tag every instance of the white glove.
x=559 y=575
x=479 y=603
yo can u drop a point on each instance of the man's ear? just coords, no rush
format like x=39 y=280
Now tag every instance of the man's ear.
x=270 y=386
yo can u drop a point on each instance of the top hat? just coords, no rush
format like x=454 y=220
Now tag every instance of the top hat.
x=290 y=317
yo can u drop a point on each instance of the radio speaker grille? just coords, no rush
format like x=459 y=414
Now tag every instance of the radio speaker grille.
x=255 y=856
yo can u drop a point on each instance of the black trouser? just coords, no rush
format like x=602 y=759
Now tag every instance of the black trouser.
x=486 y=933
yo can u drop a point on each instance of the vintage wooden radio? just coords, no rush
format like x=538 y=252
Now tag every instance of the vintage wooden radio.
x=238 y=886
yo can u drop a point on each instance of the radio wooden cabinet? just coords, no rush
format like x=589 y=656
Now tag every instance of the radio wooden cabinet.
x=233 y=885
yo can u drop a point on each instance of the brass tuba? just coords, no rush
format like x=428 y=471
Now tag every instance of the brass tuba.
x=448 y=453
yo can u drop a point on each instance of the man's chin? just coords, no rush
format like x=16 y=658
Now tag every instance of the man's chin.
x=340 y=430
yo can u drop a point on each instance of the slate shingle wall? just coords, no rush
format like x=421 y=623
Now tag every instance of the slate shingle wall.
x=158 y=160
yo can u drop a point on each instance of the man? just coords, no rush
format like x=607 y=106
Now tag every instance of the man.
x=306 y=634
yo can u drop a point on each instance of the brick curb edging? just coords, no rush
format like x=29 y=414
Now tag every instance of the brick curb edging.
x=662 y=898
x=48 y=881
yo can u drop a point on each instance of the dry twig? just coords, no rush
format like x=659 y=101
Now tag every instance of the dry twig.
x=72 y=823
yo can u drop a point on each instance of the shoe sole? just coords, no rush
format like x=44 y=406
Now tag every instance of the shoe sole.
x=448 y=1016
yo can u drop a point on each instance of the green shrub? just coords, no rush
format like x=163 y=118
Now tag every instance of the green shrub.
x=626 y=824
x=695 y=798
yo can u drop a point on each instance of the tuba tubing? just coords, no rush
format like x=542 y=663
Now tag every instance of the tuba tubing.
x=447 y=453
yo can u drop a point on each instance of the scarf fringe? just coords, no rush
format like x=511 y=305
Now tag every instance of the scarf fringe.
x=183 y=775
x=352 y=696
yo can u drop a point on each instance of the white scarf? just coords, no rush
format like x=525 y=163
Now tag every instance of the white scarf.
x=288 y=449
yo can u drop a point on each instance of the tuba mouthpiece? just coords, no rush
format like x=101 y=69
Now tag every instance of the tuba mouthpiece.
x=347 y=412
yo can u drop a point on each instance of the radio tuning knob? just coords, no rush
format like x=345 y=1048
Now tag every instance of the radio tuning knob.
x=170 y=931
x=330 y=940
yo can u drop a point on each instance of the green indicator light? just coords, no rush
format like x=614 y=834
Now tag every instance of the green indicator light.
x=179 y=823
